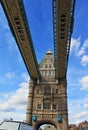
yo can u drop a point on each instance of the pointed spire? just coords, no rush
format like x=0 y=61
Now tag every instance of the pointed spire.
x=49 y=52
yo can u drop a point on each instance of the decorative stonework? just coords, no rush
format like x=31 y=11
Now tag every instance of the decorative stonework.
x=49 y=98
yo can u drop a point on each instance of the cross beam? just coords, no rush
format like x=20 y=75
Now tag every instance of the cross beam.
x=15 y=12
x=63 y=18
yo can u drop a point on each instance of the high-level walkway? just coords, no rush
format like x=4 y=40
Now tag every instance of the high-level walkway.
x=47 y=98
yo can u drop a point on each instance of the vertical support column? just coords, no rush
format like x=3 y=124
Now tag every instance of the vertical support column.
x=65 y=107
x=65 y=114
x=30 y=102
x=65 y=122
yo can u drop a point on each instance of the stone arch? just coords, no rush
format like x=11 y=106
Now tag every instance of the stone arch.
x=42 y=122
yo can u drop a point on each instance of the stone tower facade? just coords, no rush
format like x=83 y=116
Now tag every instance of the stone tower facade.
x=47 y=99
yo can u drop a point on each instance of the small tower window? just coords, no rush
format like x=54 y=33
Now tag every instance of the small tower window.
x=52 y=90
x=37 y=90
x=38 y=106
x=45 y=73
x=56 y=91
x=46 y=66
x=50 y=66
x=49 y=74
x=54 y=106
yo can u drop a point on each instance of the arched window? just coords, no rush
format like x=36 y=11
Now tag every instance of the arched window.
x=50 y=66
x=46 y=65
x=45 y=73
x=38 y=106
x=37 y=90
x=54 y=106
x=49 y=75
x=56 y=91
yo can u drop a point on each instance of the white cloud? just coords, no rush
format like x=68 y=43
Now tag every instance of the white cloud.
x=86 y=105
x=14 y=115
x=26 y=78
x=84 y=82
x=80 y=51
x=75 y=44
x=82 y=114
x=83 y=48
x=10 y=75
x=16 y=101
x=84 y=60
x=77 y=110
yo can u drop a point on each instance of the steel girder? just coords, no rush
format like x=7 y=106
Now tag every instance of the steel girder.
x=63 y=20
x=16 y=16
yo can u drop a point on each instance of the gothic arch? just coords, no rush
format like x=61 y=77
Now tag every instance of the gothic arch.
x=42 y=122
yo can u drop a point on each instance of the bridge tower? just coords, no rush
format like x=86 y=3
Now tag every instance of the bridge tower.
x=47 y=99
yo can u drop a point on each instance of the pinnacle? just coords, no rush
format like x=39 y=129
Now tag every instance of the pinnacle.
x=49 y=52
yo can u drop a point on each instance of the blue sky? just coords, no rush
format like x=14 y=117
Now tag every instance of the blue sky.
x=14 y=77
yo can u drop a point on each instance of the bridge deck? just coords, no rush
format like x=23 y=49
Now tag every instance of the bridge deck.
x=63 y=12
x=63 y=17
x=19 y=26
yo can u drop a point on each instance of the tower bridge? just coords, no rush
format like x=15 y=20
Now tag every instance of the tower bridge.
x=47 y=98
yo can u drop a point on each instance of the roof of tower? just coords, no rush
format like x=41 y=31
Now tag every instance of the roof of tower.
x=48 y=57
x=49 y=52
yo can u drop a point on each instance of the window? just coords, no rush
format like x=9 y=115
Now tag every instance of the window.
x=46 y=66
x=49 y=74
x=45 y=73
x=54 y=106
x=56 y=91
x=38 y=106
x=47 y=105
x=50 y=66
x=37 y=90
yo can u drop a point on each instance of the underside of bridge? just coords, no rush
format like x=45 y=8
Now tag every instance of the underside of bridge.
x=47 y=98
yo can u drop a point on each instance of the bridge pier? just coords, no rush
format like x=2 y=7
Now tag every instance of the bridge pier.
x=30 y=102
